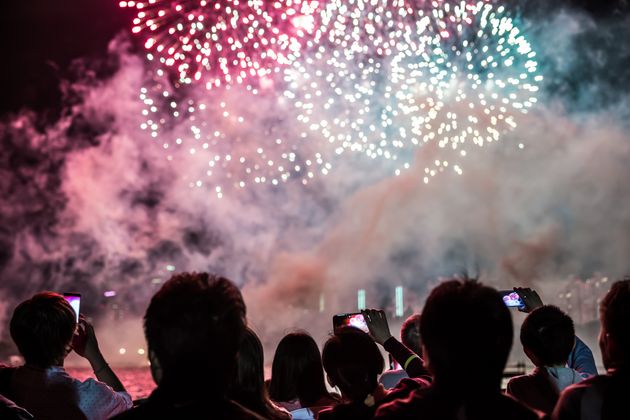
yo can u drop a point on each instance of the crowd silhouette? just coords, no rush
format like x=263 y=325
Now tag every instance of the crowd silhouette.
x=208 y=363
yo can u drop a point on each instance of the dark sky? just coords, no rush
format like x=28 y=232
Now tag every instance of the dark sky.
x=40 y=38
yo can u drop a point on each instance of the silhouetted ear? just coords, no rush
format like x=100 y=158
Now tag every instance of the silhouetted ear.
x=156 y=368
x=532 y=357
x=425 y=359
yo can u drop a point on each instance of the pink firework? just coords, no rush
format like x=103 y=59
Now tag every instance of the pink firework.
x=223 y=41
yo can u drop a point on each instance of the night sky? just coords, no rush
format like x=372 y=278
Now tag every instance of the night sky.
x=41 y=38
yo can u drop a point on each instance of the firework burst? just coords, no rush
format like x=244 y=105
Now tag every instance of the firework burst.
x=459 y=74
x=224 y=41
x=225 y=142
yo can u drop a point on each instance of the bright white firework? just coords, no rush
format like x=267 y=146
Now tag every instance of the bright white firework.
x=476 y=76
x=220 y=42
x=226 y=142
x=460 y=75
x=341 y=85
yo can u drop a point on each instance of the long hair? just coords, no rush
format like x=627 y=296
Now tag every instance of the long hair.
x=297 y=371
x=248 y=385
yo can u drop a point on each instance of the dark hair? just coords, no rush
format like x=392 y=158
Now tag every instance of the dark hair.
x=410 y=334
x=248 y=384
x=194 y=325
x=297 y=370
x=42 y=328
x=353 y=361
x=466 y=328
x=549 y=334
x=614 y=314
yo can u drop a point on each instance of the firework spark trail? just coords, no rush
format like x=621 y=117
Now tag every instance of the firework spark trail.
x=478 y=73
x=231 y=143
x=227 y=41
x=377 y=77
x=460 y=74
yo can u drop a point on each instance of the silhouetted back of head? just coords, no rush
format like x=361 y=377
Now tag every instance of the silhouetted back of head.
x=615 y=320
x=549 y=335
x=467 y=334
x=194 y=325
x=297 y=370
x=248 y=384
x=42 y=328
x=353 y=362
x=410 y=334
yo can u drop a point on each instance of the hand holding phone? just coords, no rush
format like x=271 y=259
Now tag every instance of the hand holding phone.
x=531 y=299
x=376 y=321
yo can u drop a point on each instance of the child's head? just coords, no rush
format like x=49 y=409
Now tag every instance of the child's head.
x=548 y=336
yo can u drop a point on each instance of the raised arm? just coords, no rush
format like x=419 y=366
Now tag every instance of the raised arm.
x=86 y=345
x=379 y=330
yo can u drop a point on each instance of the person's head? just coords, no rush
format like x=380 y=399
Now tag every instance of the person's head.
x=247 y=386
x=410 y=334
x=297 y=370
x=353 y=362
x=548 y=336
x=467 y=333
x=193 y=326
x=42 y=328
x=614 y=336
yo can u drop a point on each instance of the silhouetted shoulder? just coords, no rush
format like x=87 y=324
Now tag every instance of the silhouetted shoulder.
x=587 y=395
x=225 y=409
x=429 y=405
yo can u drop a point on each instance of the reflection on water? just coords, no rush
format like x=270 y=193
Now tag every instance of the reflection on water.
x=137 y=380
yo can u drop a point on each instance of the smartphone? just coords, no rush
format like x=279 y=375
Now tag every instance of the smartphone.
x=512 y=299
x=355 y=320
x=74 y=299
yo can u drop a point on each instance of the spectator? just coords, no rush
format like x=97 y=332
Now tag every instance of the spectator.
x=193 y=327
x=10 y=411
x=581 y=358
x=548 y=337
x=248 y=386
x=297 y=376
x=353 y=362
x=604 y=397
x=467 y=334
x=410 y=337
x=43 y=328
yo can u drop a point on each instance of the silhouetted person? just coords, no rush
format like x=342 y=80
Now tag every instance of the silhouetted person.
x=467 y=334
x=297 y=375
x=10 y=411
x=605 y=397
x=410 y=337
x=581 y=357
x=43 y=329
x=193 y=326
x=353 y=362
x=248 y=385
x=548 y=337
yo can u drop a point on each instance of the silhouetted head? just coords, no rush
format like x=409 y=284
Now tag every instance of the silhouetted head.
x=548 y=336
x=248 y=384
x=353 y=362
x=193 y=326
x=297 y=370
x=42 y=328
x=614 y=336
x=467 y=333
x=410 y=334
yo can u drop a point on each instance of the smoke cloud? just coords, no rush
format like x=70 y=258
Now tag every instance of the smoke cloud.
x=91 y=204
